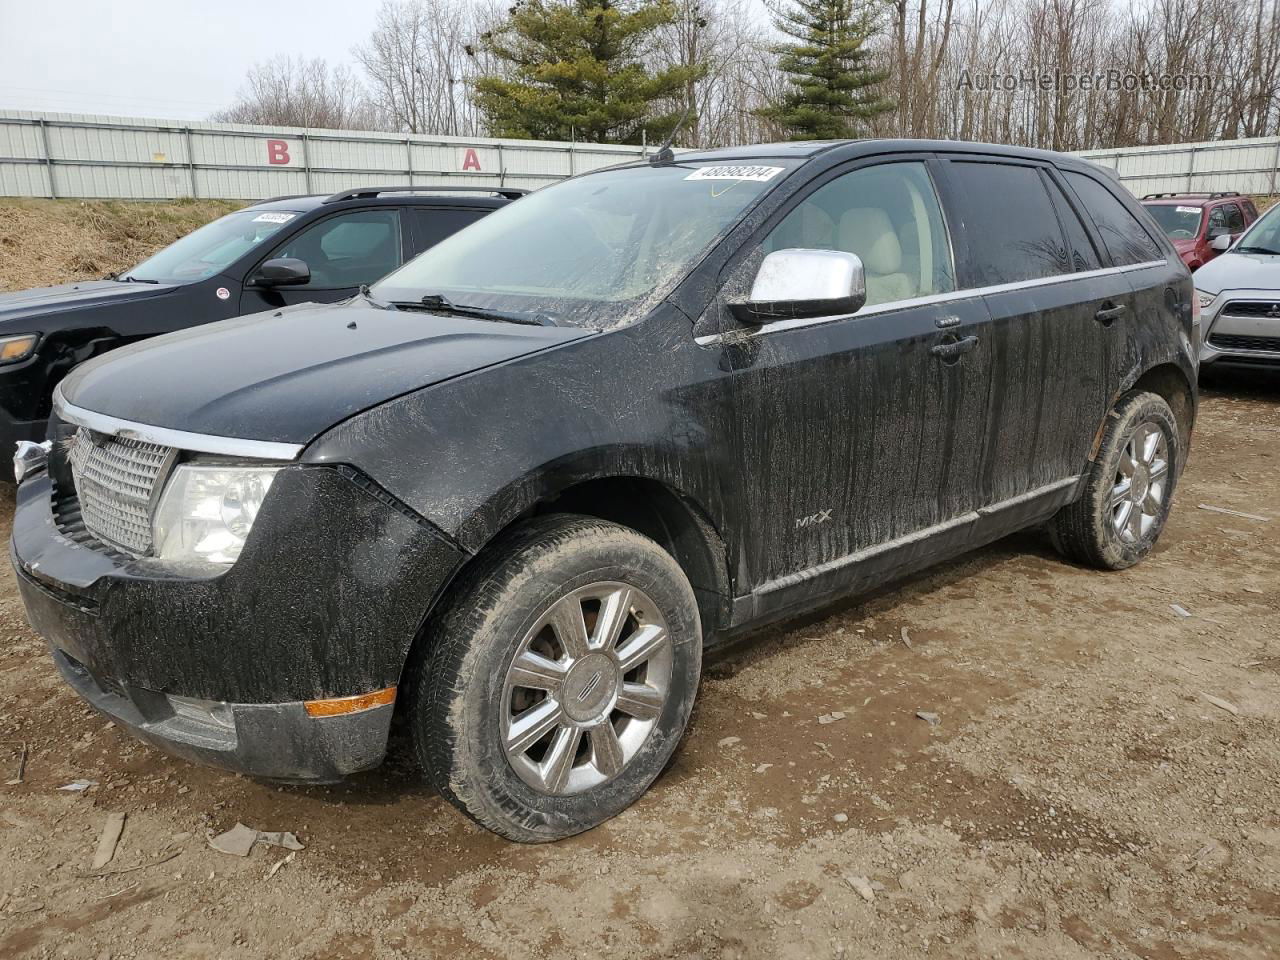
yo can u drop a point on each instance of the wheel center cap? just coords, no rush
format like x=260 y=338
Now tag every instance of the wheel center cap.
x=1139 y=485
x=590 y=688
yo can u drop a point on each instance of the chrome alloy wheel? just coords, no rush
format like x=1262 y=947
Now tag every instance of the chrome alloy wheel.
x=585 y=688
x=1141 y=482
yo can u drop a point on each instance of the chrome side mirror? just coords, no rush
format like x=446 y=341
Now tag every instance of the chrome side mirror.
x=30 y=457
x=1221 y=243
x=797 y=284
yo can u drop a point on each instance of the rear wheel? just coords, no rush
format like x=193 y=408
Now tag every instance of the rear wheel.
x=1127 y=495
x=561 y=678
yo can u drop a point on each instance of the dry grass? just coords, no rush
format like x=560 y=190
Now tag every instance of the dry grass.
x=57 y=241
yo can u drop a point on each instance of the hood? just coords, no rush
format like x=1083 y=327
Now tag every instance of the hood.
x=1239 y=271
x=74 y=296
x=290 y=375
x=1183 y=244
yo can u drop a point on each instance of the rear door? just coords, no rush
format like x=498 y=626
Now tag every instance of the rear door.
x=1057 y=317
x=1156 y=278
x=343 y=251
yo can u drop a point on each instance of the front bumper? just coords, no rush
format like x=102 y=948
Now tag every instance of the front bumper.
x=272 y=741
x=324 y=602
x=1240 y=331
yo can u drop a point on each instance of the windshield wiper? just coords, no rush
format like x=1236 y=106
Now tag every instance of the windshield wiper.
x=1252 y=249
x=435 y=303
x=129 y=278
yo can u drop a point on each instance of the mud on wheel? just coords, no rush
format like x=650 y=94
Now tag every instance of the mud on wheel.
x=558 y=679
x=1129 y=488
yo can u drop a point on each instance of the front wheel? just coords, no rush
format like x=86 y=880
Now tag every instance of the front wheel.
x=1129 y=489
x=561 y=677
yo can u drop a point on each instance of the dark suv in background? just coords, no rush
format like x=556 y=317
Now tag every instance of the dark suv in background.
x=282 y=251
x=1201 y=225
x=516 y=489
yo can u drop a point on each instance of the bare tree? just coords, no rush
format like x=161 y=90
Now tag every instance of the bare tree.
x=741 y=72
x=298 y=92
x=420 y=62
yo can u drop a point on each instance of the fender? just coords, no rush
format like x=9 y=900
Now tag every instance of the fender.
x=473 y=453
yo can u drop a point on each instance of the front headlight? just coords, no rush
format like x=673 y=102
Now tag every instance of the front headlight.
x=13 y=349
x=206 y=512
x=1205 y=298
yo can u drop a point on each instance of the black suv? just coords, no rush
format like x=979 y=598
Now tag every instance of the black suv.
x=282 y=251
x=518 y=488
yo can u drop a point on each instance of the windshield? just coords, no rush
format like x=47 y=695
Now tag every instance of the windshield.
x=593 y=250
x=1177 y=222
x=1264 y=235
x=212 y=248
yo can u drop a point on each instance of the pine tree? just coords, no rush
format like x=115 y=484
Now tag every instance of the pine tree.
x=577 y=70
x=833 y=78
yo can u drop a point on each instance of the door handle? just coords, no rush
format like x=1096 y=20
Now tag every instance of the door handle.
x=1109 y=313
x=950 y=351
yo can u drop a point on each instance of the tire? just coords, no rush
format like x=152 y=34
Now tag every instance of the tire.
x=1098 y=530
x=470 y=714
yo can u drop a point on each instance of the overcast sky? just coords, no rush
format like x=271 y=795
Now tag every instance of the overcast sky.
x=168 y=59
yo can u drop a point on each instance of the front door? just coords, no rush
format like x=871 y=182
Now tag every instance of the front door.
x=343 y=251
x=855 y=433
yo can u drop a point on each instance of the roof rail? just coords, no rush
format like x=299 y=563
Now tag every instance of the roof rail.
x=1189 y=195
x=288 y=196
x=361 y=193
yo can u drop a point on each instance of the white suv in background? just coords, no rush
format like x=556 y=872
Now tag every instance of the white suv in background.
x=1240 y=299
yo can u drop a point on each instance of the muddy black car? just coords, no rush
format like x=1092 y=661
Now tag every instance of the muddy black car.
x=516 y=491
x=284 y=251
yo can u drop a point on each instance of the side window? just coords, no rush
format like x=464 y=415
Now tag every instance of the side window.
x=1235 y=219
x=348 y=249
x=1124 y=237
x=889 y=216
x=433 y=224
x=1080 y=248
x=1217 y=221
x=1010 y=226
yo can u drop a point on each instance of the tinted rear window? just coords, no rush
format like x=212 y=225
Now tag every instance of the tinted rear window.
x=433 y=224
x=1083 y=254
x=1124 y=237
x=1011 y=229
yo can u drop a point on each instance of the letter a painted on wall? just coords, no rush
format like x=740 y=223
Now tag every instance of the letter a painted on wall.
x=470 y=161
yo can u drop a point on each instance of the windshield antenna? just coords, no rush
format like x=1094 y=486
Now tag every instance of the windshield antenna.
x=665 y=154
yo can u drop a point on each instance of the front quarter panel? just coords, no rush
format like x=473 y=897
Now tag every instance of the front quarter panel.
x=472 y=454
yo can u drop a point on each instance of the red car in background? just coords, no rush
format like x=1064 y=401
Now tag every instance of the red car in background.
x=1194 y=221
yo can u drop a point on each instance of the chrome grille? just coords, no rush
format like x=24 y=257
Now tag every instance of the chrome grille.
x=115 y=478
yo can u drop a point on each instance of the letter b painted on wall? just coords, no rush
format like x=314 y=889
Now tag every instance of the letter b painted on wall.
x=278 y=152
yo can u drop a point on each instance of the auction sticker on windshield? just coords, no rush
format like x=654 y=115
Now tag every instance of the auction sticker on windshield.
x=737 y=171
x=274 y=217
x=1188 y=209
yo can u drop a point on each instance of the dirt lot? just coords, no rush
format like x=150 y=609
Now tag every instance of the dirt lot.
x=1082 y=795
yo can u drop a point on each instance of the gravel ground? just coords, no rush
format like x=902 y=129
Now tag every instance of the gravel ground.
x=1104 y=780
